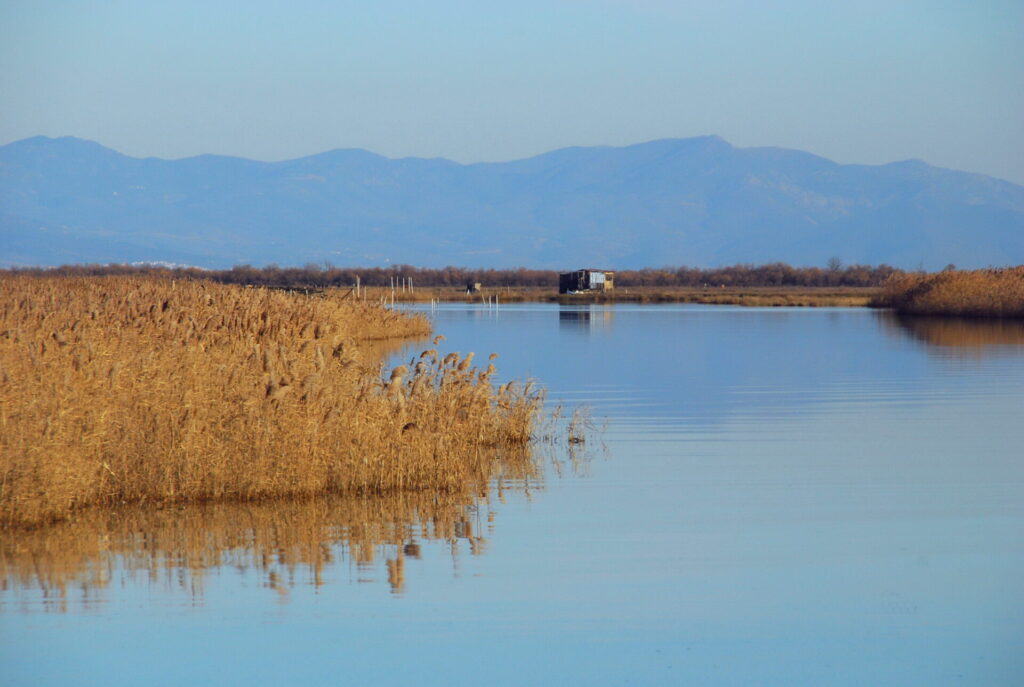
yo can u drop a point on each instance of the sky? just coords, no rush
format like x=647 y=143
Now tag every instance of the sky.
x=474 y=80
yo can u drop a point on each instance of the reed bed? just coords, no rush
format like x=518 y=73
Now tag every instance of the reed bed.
x=134 y=390
x=973 y=293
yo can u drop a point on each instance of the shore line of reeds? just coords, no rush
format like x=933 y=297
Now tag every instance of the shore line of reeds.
x=816 y=296
x=957 y=293
x=139 y=390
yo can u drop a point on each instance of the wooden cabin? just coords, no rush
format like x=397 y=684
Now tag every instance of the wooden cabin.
x=585 y=280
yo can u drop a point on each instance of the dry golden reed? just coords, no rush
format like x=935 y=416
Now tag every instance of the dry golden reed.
x=974 y=293
x=120 y=390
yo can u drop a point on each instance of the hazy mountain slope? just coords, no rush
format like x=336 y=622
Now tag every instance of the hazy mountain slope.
x=693 y=201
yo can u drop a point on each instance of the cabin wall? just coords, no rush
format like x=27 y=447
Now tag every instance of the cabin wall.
x=586 y=280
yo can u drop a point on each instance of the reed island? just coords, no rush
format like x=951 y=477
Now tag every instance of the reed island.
x=143 y=390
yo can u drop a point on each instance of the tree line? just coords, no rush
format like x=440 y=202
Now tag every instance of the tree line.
x=322 y=276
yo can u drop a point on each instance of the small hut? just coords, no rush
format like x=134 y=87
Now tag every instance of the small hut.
x=585 y=280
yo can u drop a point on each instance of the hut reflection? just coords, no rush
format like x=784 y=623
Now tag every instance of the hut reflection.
x=585 y=319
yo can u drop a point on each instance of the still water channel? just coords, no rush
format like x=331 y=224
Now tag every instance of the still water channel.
x=773 y=496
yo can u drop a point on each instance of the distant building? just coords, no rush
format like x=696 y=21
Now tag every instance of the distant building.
x=586 y=280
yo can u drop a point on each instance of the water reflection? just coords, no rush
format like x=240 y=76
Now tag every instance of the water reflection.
x=585 y=319
x=284 y=544
x=960 y=336
x=791 y=495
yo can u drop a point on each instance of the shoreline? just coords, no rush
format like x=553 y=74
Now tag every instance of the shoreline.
x=756 y=296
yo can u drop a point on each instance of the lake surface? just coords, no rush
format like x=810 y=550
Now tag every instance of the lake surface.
x=777 y=496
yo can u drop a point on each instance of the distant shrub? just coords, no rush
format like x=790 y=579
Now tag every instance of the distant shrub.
x=316 y=276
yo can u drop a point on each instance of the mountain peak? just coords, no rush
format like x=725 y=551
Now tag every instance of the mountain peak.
x=61 y=145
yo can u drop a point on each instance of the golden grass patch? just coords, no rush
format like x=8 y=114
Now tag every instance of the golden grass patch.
x=128 y=390
x=971 y=293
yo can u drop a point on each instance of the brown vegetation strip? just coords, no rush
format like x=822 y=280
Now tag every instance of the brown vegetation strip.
x=117 y=390
x=974 y=293
x=315 y=276
x=753 y=296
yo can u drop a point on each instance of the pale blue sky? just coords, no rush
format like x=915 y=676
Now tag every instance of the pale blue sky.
x=854 y=81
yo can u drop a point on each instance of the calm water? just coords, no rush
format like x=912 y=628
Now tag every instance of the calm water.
x=779 y=496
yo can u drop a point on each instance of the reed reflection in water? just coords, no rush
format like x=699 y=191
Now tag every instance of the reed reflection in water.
x=960 y=335
x=288 y=543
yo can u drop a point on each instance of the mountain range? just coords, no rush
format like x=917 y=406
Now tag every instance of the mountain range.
x=695 y=201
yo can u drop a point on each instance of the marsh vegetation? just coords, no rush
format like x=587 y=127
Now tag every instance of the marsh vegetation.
x=776 y=275
x=751 y=296
x=137 y=390
x=965 y=293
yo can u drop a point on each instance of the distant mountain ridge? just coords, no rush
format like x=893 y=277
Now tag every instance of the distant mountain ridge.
x=695 y=201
